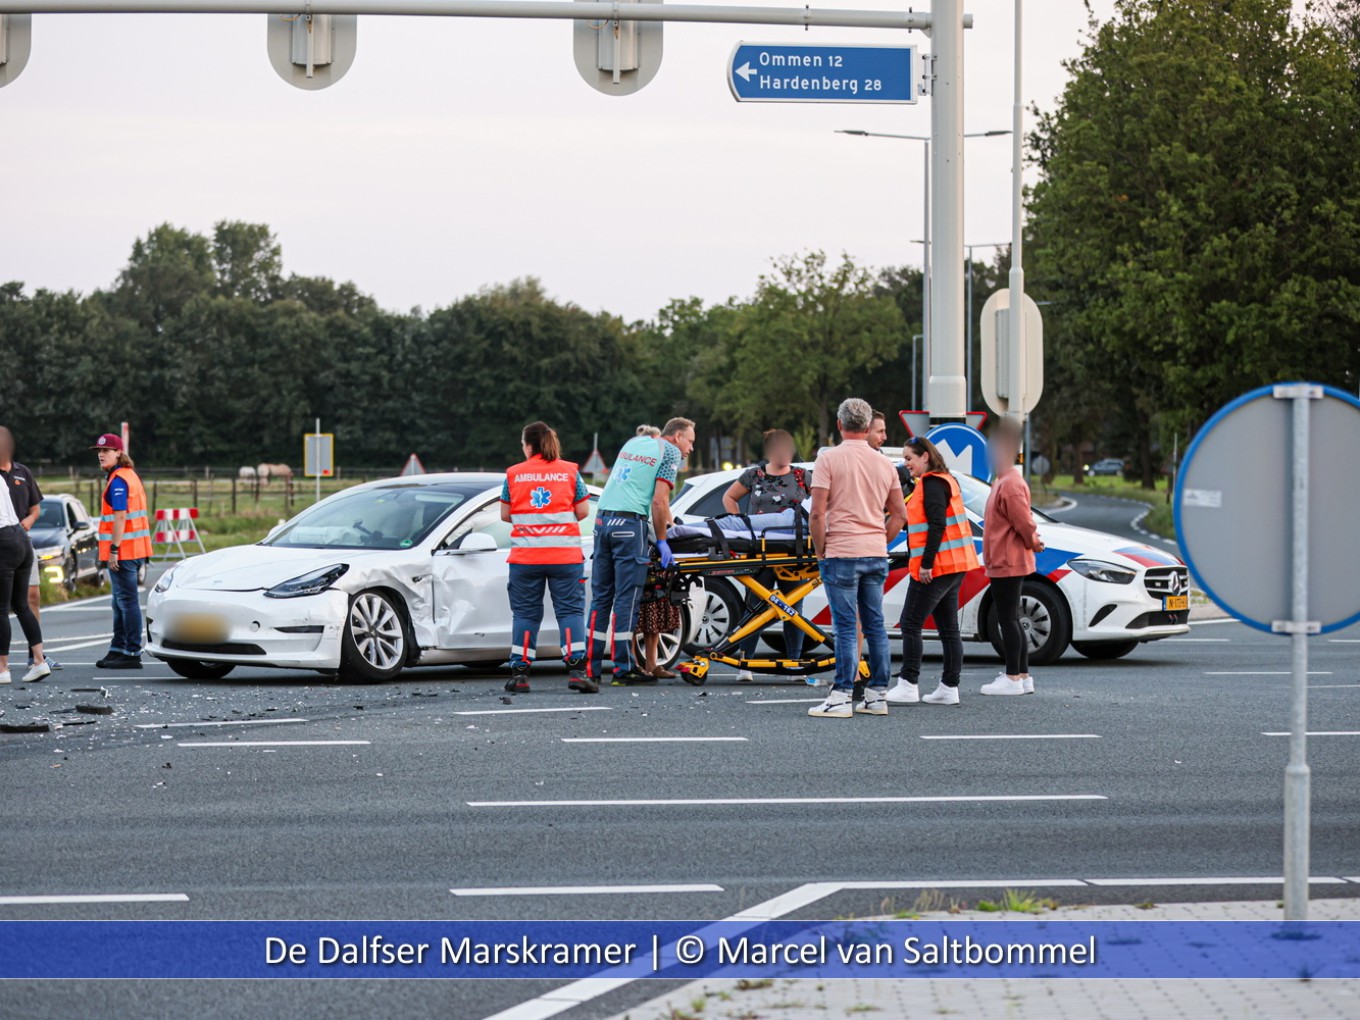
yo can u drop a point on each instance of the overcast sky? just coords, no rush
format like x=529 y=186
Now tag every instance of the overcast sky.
x=460 y=153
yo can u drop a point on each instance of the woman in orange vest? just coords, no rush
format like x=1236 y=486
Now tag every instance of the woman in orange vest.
x=543 y=500
x=940 y=539
x=124 y=545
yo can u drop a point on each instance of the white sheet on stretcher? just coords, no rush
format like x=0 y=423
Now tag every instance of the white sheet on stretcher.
x=778 y=526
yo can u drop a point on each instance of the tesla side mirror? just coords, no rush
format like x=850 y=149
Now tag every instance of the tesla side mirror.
x=477 y=542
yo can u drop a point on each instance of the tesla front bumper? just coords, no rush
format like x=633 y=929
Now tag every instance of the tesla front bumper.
x=245 y=628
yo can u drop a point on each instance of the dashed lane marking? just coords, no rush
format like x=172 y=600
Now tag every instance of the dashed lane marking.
x=24 y=901
x=1314 y=733
x=1009 y=736
x=268 y=743
x=526 y=711
x=756 y=801
x=653 y=740
x=1267 y=672
x=786 y=701
x=584 y=890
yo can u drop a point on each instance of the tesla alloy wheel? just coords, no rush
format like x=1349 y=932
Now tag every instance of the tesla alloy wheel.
x=375 y=644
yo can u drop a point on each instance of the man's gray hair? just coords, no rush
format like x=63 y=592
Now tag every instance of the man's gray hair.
x=677 y=425
x=855 y=415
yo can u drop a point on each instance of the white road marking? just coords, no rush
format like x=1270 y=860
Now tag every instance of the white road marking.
x=17 y=901
x=1209 y=623
x=1344 y=640
x=83 y=606
x=267 y=743
x=1230 y=880
x=787 y=701
x=526 y=711
x=726 y=801
x=653 y=740
x=79 y=644
x=1315 y=733
x=1010 y=736
x=1267 y=672
x=1330 y=687
x=582 y=890
x=219 y=722
x=1202 y=640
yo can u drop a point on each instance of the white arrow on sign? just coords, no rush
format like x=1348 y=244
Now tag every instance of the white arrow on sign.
x=960 y=462
x=745 y=70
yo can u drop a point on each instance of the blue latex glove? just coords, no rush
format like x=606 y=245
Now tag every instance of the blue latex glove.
x=667 y=557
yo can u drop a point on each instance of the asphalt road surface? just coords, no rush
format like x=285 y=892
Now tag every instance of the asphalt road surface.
x=272 y=795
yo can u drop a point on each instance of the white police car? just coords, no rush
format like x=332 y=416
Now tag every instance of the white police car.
x=1101 y=594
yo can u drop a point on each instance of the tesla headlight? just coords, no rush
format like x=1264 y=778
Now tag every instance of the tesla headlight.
x=313 y=583
x=167 y=579
x=1099 y=570
x=50 y=552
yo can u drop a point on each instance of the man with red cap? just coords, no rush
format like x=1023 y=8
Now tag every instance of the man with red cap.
x=124 y=544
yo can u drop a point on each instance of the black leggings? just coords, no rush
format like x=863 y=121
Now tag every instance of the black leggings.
x=16 y=565
x=1006 y=596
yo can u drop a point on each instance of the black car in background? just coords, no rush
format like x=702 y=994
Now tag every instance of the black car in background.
x=67 y=542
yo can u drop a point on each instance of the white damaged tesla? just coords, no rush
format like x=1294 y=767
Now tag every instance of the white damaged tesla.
x=396 y=573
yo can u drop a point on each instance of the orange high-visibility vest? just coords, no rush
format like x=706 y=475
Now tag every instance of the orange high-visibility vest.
x=956 y=554
x=543 y=525
x=136 y=543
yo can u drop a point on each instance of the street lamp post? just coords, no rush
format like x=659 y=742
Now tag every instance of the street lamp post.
x=968 y=371
x=927 y=263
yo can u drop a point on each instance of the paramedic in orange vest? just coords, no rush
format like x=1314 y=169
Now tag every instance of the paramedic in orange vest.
x=124 y=544
x=940 y=540
x=543 y=500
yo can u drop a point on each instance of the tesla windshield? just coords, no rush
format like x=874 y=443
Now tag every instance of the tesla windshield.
x=389 y=517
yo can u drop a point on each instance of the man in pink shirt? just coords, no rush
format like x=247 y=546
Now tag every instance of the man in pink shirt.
x=857 y=509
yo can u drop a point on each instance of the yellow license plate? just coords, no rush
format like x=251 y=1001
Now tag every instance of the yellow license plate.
x=1176 y=603
x=199 y=629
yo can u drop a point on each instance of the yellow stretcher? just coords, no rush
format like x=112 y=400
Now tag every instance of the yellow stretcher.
x=744 y=567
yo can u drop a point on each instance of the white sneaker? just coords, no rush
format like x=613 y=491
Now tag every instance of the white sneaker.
x=36 y=673
x=745 y=676
x=875 y=702
x=904 y=693
x=1029 y=684
x=836 y=706
x=4 y=677
x=942 y=695
x=1003 y=685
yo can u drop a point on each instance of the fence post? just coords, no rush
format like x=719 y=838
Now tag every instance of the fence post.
x=233 y=497
x=193 y=492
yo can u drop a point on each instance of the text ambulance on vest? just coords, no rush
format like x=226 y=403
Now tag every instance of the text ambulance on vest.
x=543 y=525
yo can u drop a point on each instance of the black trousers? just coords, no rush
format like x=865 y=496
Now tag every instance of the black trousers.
x=16 y=565
x=939 y=598
x=1006 y=597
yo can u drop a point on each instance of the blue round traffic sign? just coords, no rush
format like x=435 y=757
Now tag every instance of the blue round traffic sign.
x=1234 y=507
x=964 y=449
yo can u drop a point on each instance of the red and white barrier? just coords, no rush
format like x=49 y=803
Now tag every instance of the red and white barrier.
x=173 y=536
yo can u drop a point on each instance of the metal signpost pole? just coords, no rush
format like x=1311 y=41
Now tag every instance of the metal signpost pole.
x=945 y=397
x=1015 y=321
x=1297 y=781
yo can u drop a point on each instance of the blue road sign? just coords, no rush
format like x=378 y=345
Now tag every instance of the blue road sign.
x=782 y=73
x=964 y=449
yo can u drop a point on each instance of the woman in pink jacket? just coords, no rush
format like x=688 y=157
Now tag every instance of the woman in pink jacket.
x=1009 y=541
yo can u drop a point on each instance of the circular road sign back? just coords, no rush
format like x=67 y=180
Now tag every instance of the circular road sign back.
x=1234 y=508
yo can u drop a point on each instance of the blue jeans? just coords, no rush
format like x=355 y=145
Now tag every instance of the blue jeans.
x=565 y=582
x=854 y=589
x=127 y=609
x=617 y=579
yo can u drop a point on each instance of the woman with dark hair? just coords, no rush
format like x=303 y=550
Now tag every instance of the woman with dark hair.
x=543 y=500
x=1010 y=539
x=940 y=539
x=774 y=486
